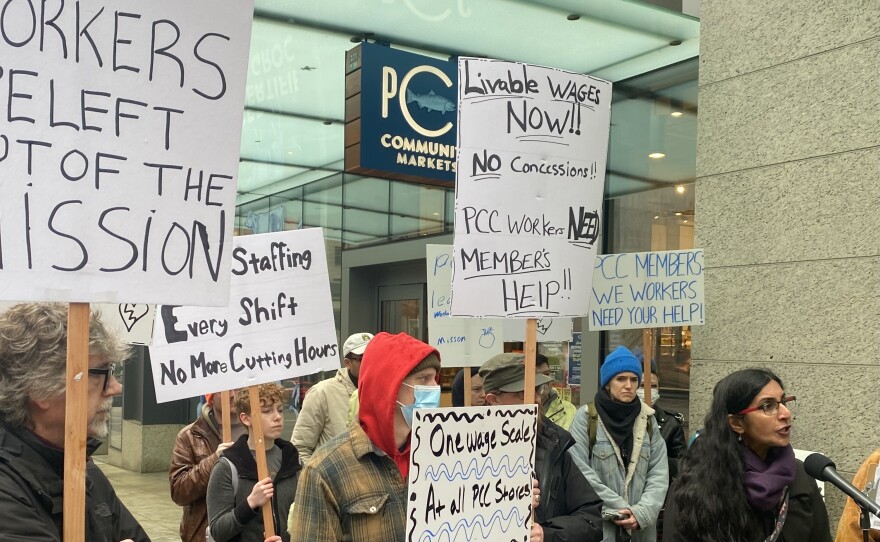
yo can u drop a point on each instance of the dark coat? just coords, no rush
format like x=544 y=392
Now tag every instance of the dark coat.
x=230 y=516
x=32 y=493
x=673 y=434
x=807 y=519
x=570 y=510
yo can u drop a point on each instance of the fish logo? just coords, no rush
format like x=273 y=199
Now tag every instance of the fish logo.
x=430 y=101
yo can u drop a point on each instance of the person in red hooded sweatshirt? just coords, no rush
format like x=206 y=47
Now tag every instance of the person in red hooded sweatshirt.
x=354 y=487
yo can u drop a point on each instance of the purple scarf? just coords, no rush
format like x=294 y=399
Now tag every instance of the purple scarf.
x=765 y=481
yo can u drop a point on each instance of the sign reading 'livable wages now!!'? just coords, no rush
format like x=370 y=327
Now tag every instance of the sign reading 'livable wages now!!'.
x=279 y=322
x=530 y=176
x=119 y=141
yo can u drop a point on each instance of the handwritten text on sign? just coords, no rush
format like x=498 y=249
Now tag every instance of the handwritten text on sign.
x=119 y=143
x=531 y=166
x=471 y=474
x=647 y=289
x=279 y=322
x=462 y=342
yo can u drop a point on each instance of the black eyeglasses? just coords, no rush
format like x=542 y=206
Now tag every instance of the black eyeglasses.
x=106 y=372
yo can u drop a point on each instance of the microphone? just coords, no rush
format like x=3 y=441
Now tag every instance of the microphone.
x=823 y=469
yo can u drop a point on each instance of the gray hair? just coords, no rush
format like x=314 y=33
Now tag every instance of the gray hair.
x=33 y=355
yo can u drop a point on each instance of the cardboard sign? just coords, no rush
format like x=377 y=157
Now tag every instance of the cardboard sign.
x=530 y=176
x=462 y=342
x=121 y=128
x=470 y=475
x=279 y=322
x=648 y=289
x=132 y=322
x=549 y=329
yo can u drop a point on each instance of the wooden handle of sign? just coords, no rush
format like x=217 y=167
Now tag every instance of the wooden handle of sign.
x=467 y=386
x=648 y=349
x=226 y=417
x=531 y=351
x=262 y=466
x=76 y=421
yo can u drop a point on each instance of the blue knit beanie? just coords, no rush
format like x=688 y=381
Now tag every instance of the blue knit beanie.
x=619 y=361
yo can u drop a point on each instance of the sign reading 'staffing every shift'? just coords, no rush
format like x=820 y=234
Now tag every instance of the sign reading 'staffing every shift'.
x=648 y=289
x=119 y=141
x=279 y=322
x=530 y=176
x=470 y=475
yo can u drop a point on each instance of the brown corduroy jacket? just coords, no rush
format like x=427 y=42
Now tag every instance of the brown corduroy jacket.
x=191 y=463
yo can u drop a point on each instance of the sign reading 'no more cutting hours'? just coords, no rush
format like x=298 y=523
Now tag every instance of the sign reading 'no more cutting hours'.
x=530 y=176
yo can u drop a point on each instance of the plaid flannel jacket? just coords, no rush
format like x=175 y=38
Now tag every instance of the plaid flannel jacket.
x=349 y=491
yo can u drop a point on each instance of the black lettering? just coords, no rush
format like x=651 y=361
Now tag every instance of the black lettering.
x=12 y=94
x=117 y=41
x=84 y=31
x=51 y=22
x=164 y=50
x=134 y=251
x=3 y=20
x=30 y=145
x=82 y=247
x=216 y=67
x=168 y=320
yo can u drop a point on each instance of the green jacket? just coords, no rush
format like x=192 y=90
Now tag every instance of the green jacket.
x=560 y=411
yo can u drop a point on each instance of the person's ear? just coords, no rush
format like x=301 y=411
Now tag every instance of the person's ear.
x=736 y=423
x=491 y=399
x=245 y=419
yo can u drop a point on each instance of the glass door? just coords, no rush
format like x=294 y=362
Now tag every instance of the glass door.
x=402 y=309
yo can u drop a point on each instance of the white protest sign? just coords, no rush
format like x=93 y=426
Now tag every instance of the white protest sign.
x=279 y=322
x=470 y=475
x=121 y=128
x=647 y=289
x=530 y=175
x=548 y=329
x=133 y=323
x=462 y=342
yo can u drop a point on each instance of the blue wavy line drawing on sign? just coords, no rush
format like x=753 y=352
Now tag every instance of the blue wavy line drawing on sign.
x=522 y=466
x=450 y=532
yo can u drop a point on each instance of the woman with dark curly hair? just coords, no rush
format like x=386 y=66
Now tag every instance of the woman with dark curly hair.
x=740 y=481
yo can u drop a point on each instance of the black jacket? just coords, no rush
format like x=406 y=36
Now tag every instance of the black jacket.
x=673 y=434
x=230 y=517
x=570 y=510
x=32 y=492
x=807 y=519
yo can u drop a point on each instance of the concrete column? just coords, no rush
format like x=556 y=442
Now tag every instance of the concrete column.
x=788 y=212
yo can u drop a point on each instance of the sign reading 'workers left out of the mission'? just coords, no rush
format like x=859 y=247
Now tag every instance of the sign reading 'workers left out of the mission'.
x=529 y=181
x=278 y=324
x=120 y=130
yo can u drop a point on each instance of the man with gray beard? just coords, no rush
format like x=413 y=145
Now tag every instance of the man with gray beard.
x=33 y=359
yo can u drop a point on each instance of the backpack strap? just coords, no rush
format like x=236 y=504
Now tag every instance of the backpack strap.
x=233 y=474
x=592 y=424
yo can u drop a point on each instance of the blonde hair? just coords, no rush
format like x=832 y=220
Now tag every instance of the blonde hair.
x=33 y=355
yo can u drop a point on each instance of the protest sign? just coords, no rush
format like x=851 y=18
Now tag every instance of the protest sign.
x=278 y=324
x=548 y=329
x=119 y=146
x=530 y=176
x=471 y=473
x=462 y=342
x=647 y=290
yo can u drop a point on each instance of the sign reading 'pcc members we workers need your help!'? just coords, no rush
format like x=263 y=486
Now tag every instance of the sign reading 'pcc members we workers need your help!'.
x=531 y=165
x=119 y=140
x=278 y=324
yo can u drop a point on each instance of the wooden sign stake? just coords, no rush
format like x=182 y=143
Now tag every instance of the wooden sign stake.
x=531 y=351
x=227 y=417
x=648 y=350
x=262 y=466
x=467 y=386
x=76 y=421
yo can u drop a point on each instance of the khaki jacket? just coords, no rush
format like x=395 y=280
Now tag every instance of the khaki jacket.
x=324 y=414
x=848 y=529
x=191 y=463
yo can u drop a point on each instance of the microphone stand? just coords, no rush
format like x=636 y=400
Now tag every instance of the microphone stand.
x=865 y=523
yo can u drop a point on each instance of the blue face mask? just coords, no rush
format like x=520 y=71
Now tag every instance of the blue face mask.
x=425 y=397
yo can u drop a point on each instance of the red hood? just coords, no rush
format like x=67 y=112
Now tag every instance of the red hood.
x=387 y=361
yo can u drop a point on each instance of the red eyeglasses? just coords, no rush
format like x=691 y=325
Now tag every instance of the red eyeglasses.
x=770 y=407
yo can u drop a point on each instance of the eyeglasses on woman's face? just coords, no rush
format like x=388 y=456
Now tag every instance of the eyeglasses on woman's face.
x=770 y=407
